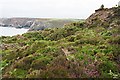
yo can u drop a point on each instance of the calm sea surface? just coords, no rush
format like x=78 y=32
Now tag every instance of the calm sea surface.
x=9 y=31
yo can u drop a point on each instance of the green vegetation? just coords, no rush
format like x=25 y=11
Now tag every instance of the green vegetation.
x=74 y=51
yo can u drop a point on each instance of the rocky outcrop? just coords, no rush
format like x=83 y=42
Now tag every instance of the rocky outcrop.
x=105 y=17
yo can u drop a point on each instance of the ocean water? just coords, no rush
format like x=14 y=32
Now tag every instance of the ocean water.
x=9 y=31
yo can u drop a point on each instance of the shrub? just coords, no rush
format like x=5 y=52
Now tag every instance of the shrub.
x=41 y=62
x=9 y=39
x=48 y=49
x=34 y=35
x=106 y=66
x=34 y=74
x=115 y=40
x=24 y=63
x=18 y=73
x=3 y=64
x=71 y=38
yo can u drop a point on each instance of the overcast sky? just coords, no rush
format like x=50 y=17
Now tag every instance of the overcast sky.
x=52 y=8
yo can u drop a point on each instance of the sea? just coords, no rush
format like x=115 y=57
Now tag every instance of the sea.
x=11 y=31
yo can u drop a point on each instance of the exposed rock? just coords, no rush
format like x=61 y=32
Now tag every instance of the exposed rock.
x=105 y=17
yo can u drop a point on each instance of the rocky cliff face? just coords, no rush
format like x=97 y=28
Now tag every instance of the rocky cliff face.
x=34 y=23
x=16 y=22
x=50 y=23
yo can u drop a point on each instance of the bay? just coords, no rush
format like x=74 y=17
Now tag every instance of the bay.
x=10 y=31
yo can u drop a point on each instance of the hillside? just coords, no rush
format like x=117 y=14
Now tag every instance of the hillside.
x=108 y=18
x=89 y=49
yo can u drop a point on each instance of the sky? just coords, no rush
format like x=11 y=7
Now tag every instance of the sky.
x=79 y=9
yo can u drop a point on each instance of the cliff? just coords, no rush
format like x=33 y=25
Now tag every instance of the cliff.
x=16 y=22
x=34 y=23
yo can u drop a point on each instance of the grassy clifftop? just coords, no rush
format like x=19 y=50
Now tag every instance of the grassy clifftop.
x=77 y=50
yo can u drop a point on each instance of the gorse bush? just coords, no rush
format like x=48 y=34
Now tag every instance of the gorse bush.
x=18 y=73
x=41 y=63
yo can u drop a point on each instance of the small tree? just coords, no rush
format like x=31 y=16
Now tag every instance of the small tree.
x=102 y=6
